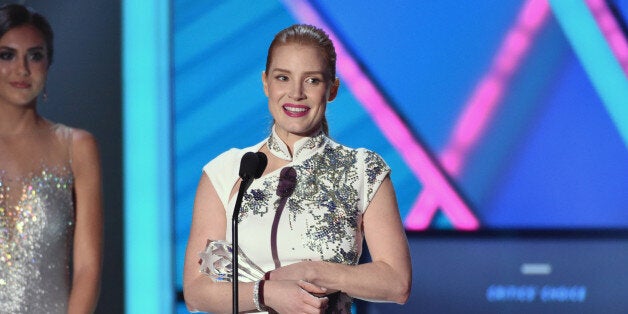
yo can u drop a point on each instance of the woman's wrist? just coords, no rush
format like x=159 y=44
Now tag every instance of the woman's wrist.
x=311 y=272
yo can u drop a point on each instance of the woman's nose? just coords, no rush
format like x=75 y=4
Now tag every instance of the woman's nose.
x=23 y=67
x=296 y=91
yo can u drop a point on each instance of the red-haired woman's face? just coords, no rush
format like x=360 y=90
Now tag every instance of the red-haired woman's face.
x=298 y=89
x=23 y=65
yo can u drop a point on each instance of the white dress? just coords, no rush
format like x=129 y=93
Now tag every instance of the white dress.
x=322 y=218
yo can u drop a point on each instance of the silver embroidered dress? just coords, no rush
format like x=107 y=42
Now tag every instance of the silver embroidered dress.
x=36 y=221
x=322 y=219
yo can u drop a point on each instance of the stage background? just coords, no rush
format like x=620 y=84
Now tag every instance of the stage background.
x=493 y=116
x=491 y=113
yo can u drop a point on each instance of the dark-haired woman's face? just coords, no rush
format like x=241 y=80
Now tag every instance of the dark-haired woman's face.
x=23 y=65
x=298 y=89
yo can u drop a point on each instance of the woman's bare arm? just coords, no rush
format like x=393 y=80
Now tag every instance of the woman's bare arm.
x=88 y=233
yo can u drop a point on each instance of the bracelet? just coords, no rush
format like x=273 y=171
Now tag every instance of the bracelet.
x=256 y=295
x=260 y=297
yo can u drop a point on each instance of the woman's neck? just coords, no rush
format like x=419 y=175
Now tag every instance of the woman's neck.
x=20 y=120
x=290 y=139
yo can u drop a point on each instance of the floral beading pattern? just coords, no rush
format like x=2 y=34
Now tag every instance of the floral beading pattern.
x=326 y=196
x=322 y=218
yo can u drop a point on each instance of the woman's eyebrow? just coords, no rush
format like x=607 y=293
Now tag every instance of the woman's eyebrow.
x=306 y=72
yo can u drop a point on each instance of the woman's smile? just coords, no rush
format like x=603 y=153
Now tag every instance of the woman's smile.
x=295 y=111
x=21 y=84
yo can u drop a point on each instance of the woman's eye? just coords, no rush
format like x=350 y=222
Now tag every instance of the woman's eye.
x=282 y=78
x=6 y=55
x=313 y=80
x=37 y=56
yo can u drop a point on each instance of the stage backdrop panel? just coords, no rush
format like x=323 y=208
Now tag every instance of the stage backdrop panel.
x=492 y=114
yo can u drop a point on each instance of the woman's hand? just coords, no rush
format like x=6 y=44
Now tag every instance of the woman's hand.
x=294 y=296
x=298 y=271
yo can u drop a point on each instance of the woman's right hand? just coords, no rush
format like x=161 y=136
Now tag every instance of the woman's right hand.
x=288 y=296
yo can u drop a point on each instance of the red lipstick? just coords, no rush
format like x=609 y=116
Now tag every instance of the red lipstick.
x=295 y=110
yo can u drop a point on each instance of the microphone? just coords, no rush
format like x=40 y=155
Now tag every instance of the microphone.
x=287 y=182
x=263 y=162
x=252 y=166
x=248 y=169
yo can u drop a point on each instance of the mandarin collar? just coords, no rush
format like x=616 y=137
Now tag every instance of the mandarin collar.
x=303 y=148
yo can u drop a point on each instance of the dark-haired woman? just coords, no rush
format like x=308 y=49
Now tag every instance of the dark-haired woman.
x=50 y=190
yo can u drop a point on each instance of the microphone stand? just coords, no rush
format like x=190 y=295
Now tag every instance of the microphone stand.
x=252 y=166
x=234 y=242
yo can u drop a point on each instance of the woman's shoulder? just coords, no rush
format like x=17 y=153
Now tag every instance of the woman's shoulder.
x=82 y=144
x=364 y=158
x=75 y=145
x=227 y=156
x=360 y=152
x=231 y=157
x=77 y=136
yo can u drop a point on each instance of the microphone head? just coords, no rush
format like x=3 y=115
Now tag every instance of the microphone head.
x=261 y=165
x=287 y=182
x=248 y=166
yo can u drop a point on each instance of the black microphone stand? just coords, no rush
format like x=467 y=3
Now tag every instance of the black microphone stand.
x=252 y=166
x=234 y=241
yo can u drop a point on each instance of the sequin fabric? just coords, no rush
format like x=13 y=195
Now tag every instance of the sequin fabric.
x=322 y=219
x=36 y=226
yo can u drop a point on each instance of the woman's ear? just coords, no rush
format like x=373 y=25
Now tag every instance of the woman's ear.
x=333 y=90
x=265 y=83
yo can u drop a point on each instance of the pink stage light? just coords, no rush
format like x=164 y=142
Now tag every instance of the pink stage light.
x=481 y=107
x=611 y=31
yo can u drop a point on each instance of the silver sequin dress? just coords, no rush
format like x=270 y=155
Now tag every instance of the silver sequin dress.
x=36 y=221
x=322 y=218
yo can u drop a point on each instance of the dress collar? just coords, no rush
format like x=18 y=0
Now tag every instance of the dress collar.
x=303 y=148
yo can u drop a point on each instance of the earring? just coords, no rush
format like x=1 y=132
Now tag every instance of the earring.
x=44 y=96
